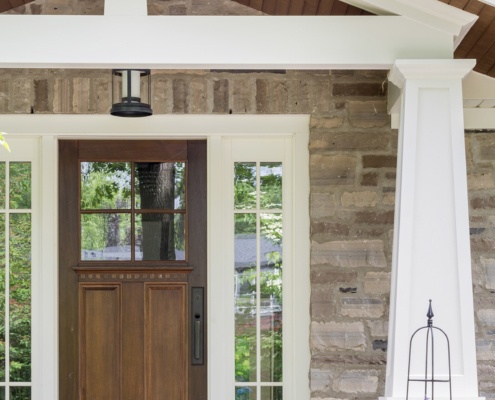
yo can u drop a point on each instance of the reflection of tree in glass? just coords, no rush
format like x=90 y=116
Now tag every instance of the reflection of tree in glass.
x=157 y=192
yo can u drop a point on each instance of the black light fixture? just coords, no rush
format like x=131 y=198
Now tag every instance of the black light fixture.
x=126 y=92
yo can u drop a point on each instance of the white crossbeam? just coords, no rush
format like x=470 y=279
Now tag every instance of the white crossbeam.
x=206 y=42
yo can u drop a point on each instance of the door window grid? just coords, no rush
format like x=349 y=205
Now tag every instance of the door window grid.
x=258 y=213
x=15 y=217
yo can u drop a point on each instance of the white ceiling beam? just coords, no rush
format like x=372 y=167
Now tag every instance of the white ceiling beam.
x=207 y=42
x=432 y=13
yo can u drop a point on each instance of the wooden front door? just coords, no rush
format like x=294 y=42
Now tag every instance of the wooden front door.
x=132 y=270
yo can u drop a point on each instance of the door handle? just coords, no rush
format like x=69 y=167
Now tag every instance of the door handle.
x=197 y=322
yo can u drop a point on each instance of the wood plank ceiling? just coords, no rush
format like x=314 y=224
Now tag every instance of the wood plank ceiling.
x=6 y=5
x=478 y=44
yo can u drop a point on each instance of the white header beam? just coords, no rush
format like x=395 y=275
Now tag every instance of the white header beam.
x=205 y=42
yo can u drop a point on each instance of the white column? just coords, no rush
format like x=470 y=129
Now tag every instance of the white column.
x=431 y=253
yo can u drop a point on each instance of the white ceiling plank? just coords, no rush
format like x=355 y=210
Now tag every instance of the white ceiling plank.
x=207 y=42
x=126 y=7
x=432 y=13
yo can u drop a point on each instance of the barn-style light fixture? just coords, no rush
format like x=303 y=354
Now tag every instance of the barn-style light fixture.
x=126 y=93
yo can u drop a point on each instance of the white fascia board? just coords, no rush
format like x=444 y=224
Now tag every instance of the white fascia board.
x=432 y=13
x=171 y=126
x=212 y=42
x=476 y=86
x=479 y=119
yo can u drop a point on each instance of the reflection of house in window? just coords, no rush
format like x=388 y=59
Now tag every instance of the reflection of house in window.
x=270 y=273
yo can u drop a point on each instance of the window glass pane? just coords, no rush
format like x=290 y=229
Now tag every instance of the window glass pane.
x=245 y=297
x=20 y=393
x=245 y=393
x=270 y=185
x=2 y=298
x=271 y=297
x=244 y=186
x=271 y=393
x=20 y=185
x=105 y=185
x=20 y=297
x=160 y=186
x=160 y=236
x=105 y=237
x=2 y=185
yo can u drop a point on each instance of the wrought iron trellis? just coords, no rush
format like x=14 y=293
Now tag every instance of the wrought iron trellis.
x=429 y=376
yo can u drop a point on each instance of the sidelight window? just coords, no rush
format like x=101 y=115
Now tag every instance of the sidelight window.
x=258 y=264
x=15 y=280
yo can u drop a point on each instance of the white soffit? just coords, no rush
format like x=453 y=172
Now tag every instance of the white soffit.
x=432 y=13
x=213 y=42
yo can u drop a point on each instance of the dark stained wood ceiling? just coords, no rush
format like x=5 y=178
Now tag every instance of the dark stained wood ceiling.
x=6 y=5
x=479 y=43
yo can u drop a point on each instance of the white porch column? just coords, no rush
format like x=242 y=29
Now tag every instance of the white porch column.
x=431 y=253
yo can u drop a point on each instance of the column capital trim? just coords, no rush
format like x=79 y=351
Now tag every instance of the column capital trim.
x=429 y=69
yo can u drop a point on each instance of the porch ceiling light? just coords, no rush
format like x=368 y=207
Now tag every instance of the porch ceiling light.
x=127 y=85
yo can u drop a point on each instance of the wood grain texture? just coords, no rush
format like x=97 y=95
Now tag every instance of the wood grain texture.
x=100 y=338
x=166 y=352
x=68 y=228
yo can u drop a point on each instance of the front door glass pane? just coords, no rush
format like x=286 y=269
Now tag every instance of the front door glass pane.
x=245 y=393
x=20 y=393
x=160 y=236
x=160 y=186
x=105 y=185
x=105 y=237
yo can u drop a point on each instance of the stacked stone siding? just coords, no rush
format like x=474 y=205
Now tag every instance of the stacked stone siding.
x=352 y=174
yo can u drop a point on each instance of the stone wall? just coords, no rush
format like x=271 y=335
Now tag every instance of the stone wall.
x=352 y=167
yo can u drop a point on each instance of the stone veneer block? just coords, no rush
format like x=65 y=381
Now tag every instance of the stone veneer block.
x=485 y=349
x=355 y=253
x=81 y=95
x=378 y=328
x=318 y=141
x=331 y=336
x=180 y=93
x=61 y=96
x=377 y=283
x=4 y=96
x=197 y=103
x=485 y=144
x=20 y=98
x=359 y=199
x=221 y=96
x=487 y=317
x=362 y=307
x=328 y=141
x=320 y=379
x=379 y=161
x=41 y=95
x=489 y=268
x=243 y=97
x=368 y=114
x=483 y=202
x=370 y=89
x=356 y=381
x=481 y=180
x=322 y=205
x=332 y=170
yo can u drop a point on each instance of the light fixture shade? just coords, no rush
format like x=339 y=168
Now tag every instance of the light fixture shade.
x=130 y=87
